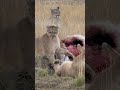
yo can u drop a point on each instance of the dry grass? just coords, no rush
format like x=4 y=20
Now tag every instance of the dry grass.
x=46 y=82
x=43 y=81
x=72 y=18
x=73 y=21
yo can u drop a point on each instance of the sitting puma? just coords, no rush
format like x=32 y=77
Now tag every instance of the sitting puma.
x=47 y=45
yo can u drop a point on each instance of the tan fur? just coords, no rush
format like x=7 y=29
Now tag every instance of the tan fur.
x=82 y=50
x=60 y=53
x=68 y=68
x=71 y=68
x=109 y=78
x=46 y=46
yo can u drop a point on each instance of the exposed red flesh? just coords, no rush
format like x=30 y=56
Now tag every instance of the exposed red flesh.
x=73 y=50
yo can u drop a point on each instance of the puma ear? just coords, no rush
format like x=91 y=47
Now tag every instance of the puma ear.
x=58 y=8
x=57 y=61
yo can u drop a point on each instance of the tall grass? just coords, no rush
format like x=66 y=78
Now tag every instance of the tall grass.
x=72 y=19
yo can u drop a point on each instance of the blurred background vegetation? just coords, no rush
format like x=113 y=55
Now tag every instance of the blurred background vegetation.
x=72 y=18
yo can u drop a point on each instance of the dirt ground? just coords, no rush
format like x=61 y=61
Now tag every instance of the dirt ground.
x=55 y=83
x=43 y=81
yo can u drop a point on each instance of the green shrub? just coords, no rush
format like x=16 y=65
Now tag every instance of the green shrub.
x=42 y=72
x=79 y=81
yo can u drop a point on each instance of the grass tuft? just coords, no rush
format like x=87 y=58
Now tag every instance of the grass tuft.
x=43 y=72
x=80 y=81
